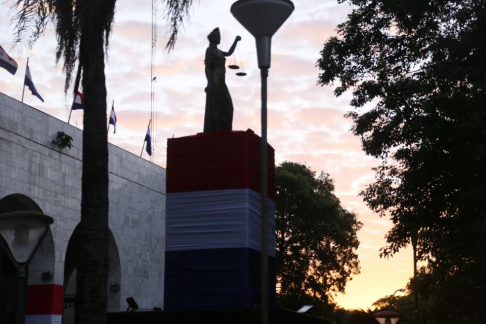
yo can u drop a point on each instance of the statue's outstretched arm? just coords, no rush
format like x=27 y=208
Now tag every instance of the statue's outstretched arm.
x=232 y=48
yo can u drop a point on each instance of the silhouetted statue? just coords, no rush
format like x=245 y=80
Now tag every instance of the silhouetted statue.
x=219 y=106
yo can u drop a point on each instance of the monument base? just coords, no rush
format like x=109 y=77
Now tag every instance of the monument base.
x=213 y=221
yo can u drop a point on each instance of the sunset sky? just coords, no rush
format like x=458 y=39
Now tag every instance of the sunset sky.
x=305 y=121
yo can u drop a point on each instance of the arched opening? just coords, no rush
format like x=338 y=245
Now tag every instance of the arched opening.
x=17 y=202
x=70 y=265
x=43 y=260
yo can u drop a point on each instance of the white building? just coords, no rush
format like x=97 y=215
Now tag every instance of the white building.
x=36 y=174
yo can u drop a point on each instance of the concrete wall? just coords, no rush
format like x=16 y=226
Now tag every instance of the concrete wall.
x=31 y=165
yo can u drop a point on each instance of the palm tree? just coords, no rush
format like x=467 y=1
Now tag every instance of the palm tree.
x=83 y=28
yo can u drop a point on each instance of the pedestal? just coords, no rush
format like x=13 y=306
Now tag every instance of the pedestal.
x=213 y=221
x=44 y=304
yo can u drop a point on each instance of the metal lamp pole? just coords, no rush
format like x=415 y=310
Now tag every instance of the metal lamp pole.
x=21 y=294
x=399 y=290
x=402 y=290
x=415 y=292
x=264 y=195
x=262 y=18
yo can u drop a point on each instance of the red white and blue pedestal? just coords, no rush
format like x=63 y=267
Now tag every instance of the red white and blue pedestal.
x=44 y=304
x=213 y=222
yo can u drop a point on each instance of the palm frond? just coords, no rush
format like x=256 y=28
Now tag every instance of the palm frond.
x=71 y=19
x=176 y=12
x=31 y=19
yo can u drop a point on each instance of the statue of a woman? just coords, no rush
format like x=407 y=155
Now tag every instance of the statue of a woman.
x=219 y=106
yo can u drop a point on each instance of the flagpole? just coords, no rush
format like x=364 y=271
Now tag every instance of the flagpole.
x=71 y=111
x=23 y=89
x=75 y=94
x=108 y=129
x=143 y=146
x=76 y=87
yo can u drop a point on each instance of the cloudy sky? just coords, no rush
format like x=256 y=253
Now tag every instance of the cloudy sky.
x=305 y=121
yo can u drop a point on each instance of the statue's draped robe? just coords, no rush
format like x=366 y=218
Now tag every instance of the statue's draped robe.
x=219 y=106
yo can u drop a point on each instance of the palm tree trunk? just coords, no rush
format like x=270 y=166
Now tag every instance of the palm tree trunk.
x=92 y=275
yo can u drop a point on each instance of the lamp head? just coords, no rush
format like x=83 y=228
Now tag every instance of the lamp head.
x=387 y=317
x=23 y=232
x=262 y=18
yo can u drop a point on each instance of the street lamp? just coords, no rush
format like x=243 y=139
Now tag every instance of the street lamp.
x=402 y=290
x=387 y=317
x=262 y=18
x=393 y=300
x=399 y=290
x=23 y=232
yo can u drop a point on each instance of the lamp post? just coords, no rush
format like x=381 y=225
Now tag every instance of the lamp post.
x=399 y=290
x=23 y=232
x=393 y=300
x=414 y=239
x=387 y=317
x=262 y=18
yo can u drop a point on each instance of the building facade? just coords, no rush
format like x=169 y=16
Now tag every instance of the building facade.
x=36 y=172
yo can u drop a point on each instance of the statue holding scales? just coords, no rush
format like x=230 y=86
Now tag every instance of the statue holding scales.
x=219 y=106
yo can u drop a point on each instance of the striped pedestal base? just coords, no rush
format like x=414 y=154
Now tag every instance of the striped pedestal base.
x=213 y=222
x=43 y=319
x=218 y=278
x=44 y=304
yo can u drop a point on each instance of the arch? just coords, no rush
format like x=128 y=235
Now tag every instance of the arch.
x=17 y=202
x=44 y=257
x=43 y=260
x=70 y=265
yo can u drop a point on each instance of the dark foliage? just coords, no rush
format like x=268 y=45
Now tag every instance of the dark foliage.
x=63 y=140
x=316 y=239
x=417 y=69
x=360 y=317
x=400 y=304
x=176 y=12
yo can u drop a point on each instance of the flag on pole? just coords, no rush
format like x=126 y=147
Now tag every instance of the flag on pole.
x=113 y=117
x=30 y=83
x=7 y=62
x=78 y=101
x=148 y=139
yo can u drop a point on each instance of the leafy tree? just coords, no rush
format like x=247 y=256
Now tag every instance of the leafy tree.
x=417 y=72
x=401 y=304
x=316 y=238
x=83 y=28
x=339 y=314
x=360 y=316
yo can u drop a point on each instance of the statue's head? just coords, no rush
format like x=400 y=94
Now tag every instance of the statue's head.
x=214 y=37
